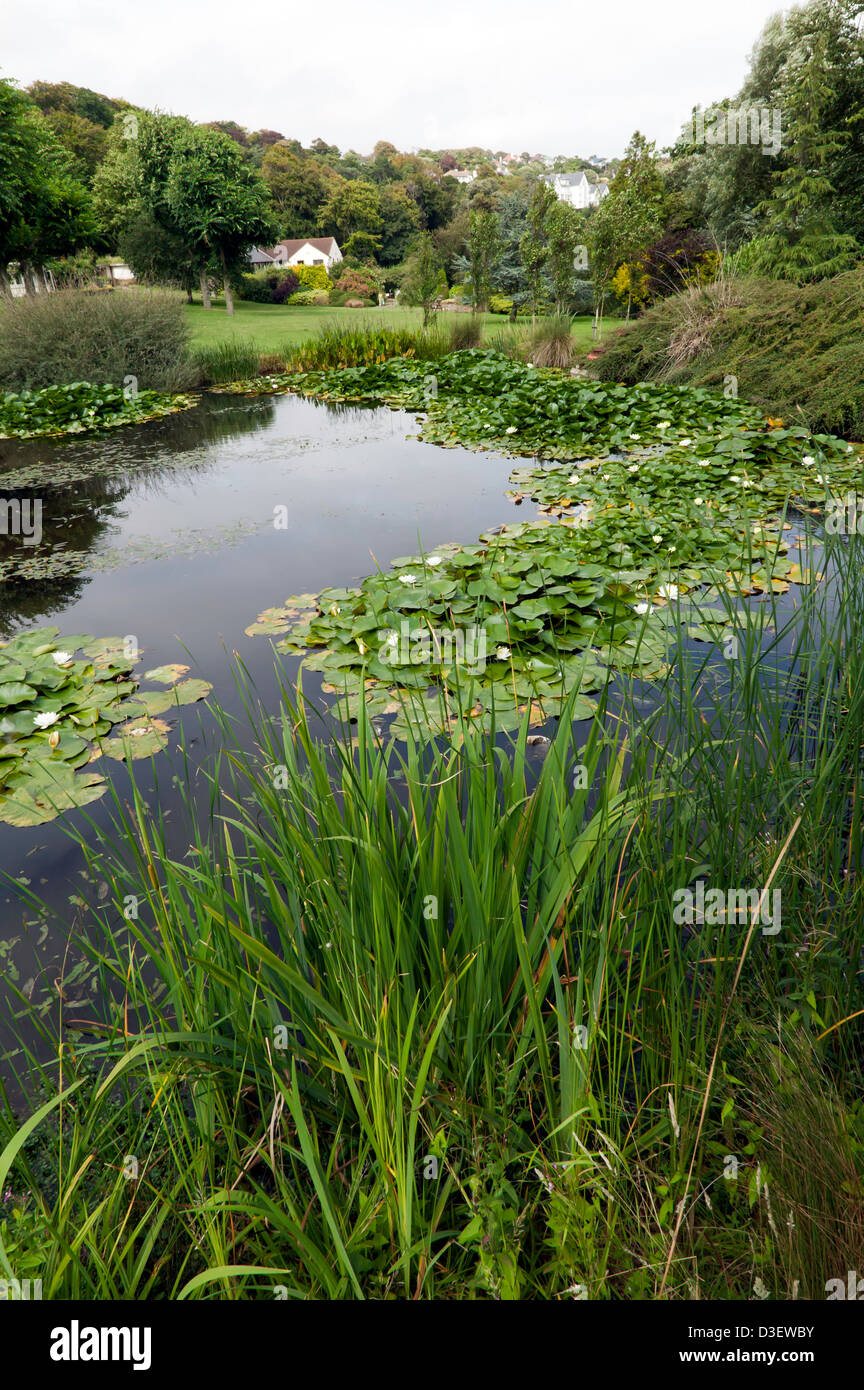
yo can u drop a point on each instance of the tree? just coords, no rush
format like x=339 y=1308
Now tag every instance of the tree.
x=216 y=200
x=801 y=240
x=44 y=210
x=400 y=222
x=484 y=245
x=628 y=221
x=565 y=229
x=533 y=249
x=297 y=188
x=421 y=281
x=353 y=215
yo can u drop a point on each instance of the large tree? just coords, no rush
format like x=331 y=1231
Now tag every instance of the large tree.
x=216 y=200
x=44 y=210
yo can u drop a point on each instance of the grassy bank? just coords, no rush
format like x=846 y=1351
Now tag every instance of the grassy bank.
x=272 y=327
x=432 y=1024
x=797 y=353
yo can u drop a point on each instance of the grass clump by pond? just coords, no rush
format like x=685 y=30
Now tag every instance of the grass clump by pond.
x=429 y=1025
x=55 y=714
x=795 y=352
x=78 y=335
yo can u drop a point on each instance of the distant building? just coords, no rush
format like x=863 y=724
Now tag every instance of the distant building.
x=115 y=271
x=576 y=190
x=299 y=251
x=462 y=175
x=41 y=280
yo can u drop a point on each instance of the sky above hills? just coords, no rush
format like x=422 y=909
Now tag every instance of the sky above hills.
x=554 y=78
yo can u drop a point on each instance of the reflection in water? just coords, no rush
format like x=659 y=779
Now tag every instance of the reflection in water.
x=79 y=486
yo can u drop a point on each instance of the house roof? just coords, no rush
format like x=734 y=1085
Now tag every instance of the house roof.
x=570 y=180
x=321 y=243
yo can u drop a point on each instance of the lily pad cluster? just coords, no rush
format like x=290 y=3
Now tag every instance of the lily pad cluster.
x=671 y=495
x=79 y=406
x=56 y=712
x=516 y=621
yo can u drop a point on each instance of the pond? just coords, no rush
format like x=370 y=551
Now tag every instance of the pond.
x=165 y=531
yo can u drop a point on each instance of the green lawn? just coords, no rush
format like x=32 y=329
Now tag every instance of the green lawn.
x=274 y=326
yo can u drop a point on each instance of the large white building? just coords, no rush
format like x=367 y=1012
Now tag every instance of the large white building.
x=576 y=190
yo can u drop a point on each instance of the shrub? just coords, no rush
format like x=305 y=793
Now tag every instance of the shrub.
x=500 y=304
x=233 y=360
x=342 y=299
x=344 y=346
x=551 y=343
x=359 y=282
x=312 y=277
x=305 y=298
x=466 y=332
x=798 y=353
x=268 y=286
x=78 y=335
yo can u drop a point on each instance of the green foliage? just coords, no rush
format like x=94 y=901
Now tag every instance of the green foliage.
x=108 y=336
x=307 y=298
x=499 y=304
x=484 y=244
x=216 y=363
x=44 y=210
x=387 y=941
x=421 y=279
x=796 y=353
x=312 y=277
x=78 y=408
x=55 y=713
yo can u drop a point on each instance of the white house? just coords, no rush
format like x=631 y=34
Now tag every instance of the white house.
x=299 y=251
x=576 y=190
x=462 y=175
x=308 y=251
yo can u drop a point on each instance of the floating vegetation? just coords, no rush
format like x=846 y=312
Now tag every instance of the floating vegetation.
x=51 y=562
x=673 y=496
x=79 y=407
x=512 y=624
x=55 y=713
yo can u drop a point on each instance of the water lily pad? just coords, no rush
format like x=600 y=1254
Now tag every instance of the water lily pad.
x=168 y=674
x=138 y=739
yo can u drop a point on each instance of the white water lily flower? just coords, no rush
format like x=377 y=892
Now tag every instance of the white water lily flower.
x=808 y=460
x=699 y=501
x=634 y=436
x=502 y=653
x=848 y=448
x=574 y=478
x=433 y=560
x=735 y=478
x=511 y=429
x=61 y=658
x=605 y=477
x=664 y=424
x=673 y=547
x=361 y=646
x=704 y=463
x=669 y=591
x=529 y=364
x=641 y=608
x=656 y=539
x=683 y=443
x=407 y=579
x=335 y=610
x=746 y=483
x=45 y=720
x=633 y=468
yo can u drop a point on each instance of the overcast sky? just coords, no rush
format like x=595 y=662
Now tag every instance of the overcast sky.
x=553 y=78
